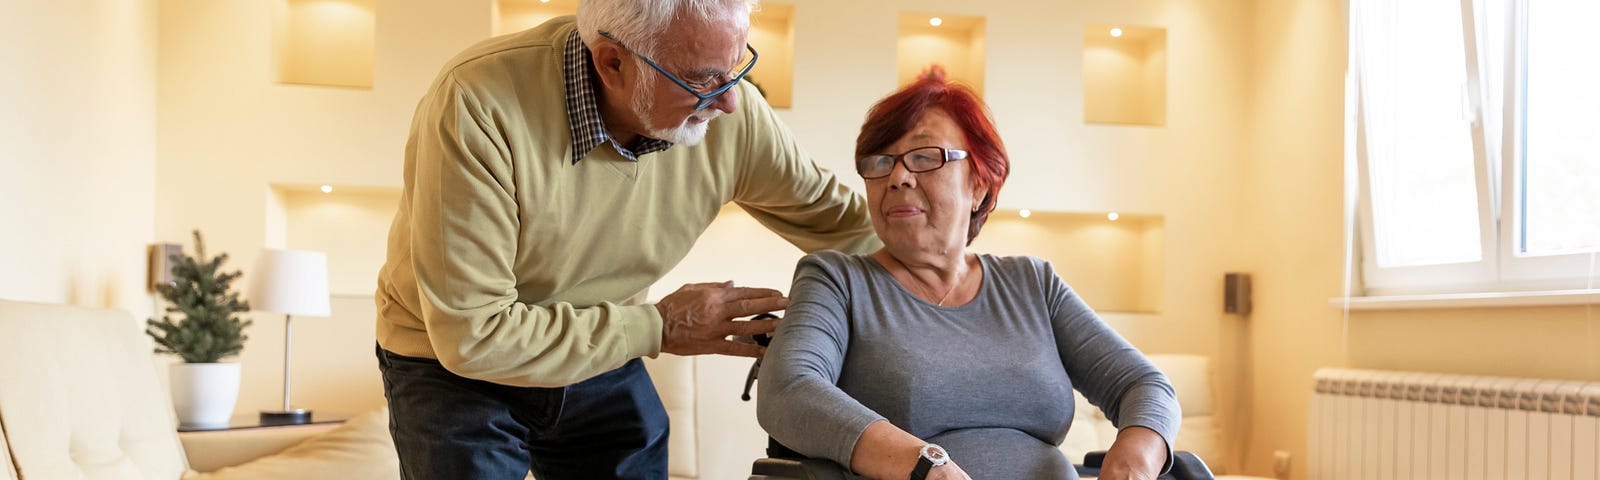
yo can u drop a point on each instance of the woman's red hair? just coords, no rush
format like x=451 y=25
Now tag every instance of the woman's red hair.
x=895 y=116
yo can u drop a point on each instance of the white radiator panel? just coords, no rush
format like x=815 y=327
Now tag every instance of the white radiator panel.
x=1402 y=425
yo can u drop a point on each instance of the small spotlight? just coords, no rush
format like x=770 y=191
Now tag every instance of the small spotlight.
x=1112 y=216
x=327 y=189
x=1025 y=213
x=936 y=21
x=544 y=1
x=1116 y=31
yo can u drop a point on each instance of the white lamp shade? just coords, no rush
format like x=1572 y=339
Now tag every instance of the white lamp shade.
x=293 y=282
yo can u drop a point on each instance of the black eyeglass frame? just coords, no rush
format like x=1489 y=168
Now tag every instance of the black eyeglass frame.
x=946 y=155
x=705 y=99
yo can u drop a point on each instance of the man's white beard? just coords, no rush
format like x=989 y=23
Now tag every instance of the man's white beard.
x=685 y=133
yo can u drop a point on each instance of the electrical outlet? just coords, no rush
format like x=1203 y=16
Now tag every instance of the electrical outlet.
x=1280 y=464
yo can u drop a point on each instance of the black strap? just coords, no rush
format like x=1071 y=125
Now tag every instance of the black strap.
x=920 y=472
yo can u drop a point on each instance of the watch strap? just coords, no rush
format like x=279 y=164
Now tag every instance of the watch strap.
x=920 y=471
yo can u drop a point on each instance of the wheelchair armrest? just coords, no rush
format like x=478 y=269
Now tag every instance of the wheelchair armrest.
x=792 y=469
x=1185 y=466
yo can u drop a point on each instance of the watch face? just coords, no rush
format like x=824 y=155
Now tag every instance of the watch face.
x=935 y=454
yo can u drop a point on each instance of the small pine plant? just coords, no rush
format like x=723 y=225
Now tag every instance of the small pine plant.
x=206 y=328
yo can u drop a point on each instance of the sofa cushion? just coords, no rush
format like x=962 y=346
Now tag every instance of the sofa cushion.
x=360 y=449
x=80 y=397
x=674 y=380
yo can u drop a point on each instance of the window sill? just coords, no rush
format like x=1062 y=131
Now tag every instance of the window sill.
x=1544 y=298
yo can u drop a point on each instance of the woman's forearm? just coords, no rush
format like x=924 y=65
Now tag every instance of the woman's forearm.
x=885 y=452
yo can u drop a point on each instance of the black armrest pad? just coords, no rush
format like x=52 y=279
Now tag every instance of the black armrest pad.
x=807 y=469
x=1185 y=466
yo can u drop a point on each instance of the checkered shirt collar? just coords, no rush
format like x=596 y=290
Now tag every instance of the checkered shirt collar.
x=583 y=110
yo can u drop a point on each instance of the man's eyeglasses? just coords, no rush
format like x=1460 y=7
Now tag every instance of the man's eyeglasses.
x=917 y=160
x=705 y=99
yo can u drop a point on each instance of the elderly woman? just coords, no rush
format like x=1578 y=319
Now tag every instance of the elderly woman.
x=927 y=360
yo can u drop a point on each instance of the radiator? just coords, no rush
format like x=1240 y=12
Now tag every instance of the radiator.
x=1368 y=424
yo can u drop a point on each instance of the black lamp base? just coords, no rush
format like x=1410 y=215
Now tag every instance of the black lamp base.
x=288 y=417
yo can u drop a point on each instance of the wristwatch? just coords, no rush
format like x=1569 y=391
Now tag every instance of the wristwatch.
x=931 y=456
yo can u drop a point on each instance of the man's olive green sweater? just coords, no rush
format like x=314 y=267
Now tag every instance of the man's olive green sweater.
x=510 y=263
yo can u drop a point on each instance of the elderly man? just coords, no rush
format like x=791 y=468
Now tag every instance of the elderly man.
x=551 y=177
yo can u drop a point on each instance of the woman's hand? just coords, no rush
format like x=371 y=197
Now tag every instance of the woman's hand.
x=949 y=471
x=1137 y=454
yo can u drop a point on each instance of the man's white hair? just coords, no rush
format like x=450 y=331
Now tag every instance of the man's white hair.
x=639 y=23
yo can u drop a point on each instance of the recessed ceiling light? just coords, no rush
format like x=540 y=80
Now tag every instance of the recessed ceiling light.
x=1112 y=216
x=936 y=21
x=544 y=1
x=1025 y=213
x=1116 y=31
x=327 y=189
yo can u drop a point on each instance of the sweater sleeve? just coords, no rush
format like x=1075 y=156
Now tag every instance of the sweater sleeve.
x=1108 y=370
x=781 y=187
x=798 y=401
x=465 y=221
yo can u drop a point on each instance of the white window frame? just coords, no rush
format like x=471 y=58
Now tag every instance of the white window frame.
x=1501 y=268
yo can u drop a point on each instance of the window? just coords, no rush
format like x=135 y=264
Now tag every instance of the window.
x=1477 y=138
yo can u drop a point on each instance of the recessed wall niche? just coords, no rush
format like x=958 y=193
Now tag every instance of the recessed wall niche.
x=1114 y=265
x=1125 y=75
x=350 y=224
x=772 y=35
x=511 y=16
x=325 y=42
x=955 y=42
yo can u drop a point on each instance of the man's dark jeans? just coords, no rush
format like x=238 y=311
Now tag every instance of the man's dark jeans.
x=449 y=427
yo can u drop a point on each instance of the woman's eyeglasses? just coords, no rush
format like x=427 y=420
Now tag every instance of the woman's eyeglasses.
x=917 y=160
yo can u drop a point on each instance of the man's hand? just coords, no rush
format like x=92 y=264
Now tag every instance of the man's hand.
x=698 y=318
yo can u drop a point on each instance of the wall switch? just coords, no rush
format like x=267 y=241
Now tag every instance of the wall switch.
x=1280 y=464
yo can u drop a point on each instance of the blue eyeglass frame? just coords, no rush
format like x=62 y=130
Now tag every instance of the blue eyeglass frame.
x=705 y=99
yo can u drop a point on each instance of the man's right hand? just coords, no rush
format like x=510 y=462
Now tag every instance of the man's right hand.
x=698 y=318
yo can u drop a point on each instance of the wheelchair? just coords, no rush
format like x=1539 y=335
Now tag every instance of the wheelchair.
x=783 y=463
x=1185 y=466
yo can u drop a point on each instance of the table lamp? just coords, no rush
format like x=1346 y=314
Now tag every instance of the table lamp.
x=290 y=282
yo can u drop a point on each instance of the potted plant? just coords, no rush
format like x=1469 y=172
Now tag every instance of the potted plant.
x=202 y=326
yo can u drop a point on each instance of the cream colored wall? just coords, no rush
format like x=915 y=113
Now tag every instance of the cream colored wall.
x=228 y=132
x=77 y=152
x=1296 y=189
x=1295 y=222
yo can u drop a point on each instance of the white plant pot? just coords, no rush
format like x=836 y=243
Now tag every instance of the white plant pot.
x=204 y=393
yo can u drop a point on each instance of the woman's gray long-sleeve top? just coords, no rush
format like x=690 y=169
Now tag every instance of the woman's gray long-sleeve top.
x=991 y=381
